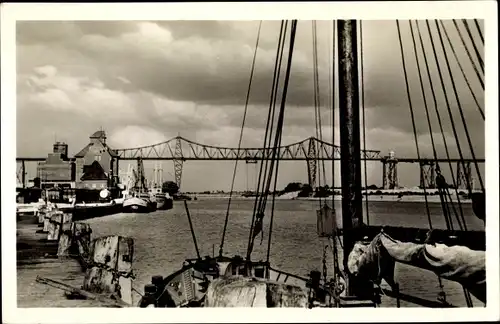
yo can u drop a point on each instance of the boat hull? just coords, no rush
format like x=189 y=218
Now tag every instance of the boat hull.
x=138 y=205
x=164 y=203
x=81 y=212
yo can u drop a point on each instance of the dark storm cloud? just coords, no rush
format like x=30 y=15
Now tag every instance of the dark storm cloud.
x=192 y=77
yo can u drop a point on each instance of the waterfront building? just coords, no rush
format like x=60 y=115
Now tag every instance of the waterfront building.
x=57 y=170
x=96 y=164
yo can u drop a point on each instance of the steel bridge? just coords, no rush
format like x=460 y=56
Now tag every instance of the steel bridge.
x=180 y=149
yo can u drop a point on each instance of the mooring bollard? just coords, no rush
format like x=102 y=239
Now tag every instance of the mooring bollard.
x=56 y=222
x=65 y=236
x=110 y=267
x=41 y=212
x=82 y=235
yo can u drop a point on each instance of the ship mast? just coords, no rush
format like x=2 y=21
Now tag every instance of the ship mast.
x=352 y=213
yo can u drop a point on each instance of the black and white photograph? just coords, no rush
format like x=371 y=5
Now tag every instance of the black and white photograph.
x=336 y=160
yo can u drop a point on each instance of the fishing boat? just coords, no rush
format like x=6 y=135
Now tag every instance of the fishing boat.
x=369 y=252
x=139 y=203
x=139 y=199
x=163 y=200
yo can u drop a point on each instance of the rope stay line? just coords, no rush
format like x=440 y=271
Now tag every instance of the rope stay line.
x=337 y=272
x=240 y=139
x=317 y=108
x=270 y=121
x=446 y=213
x=468 y=53
x=459 y=148
x=257 y=218
x=427 y=115
x=412 y=116
x=461 y=69
x=274 y=100
x=479 y=30
x=479 y=58
x=270 y=118
x=442 y=294
x=443 y=188
x=363 y=108
x=332 y=91
x=438 y=170
x=460 y=109
x=268 y=171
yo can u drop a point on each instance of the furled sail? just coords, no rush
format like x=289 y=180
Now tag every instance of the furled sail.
x=376 y=261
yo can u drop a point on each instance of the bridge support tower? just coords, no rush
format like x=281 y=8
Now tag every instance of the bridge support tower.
x=464 y=175
x=427 y=174
x=390 y=171
x=311 y=163
x=178 y=162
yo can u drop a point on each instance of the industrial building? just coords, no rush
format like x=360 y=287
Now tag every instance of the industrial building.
x=93 y=167
x=57 y=170
x=92 y=175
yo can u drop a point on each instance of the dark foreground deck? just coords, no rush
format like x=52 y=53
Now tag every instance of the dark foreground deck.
x=33 y=259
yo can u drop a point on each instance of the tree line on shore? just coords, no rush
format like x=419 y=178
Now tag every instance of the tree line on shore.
x=305 y=190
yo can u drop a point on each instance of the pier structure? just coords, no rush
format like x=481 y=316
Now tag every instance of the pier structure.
x=180 y=150
x=390 y=171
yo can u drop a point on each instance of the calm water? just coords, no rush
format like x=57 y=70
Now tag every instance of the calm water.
x=163 y=239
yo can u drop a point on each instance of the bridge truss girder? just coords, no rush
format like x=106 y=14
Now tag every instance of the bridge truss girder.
x=189 y=150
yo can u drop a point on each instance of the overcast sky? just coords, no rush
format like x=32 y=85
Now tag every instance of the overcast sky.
x=146 y=82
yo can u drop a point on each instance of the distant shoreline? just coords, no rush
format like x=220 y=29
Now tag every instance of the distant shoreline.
x=371 y=197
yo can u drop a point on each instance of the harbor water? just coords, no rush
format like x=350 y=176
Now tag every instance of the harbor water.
x=163 y=238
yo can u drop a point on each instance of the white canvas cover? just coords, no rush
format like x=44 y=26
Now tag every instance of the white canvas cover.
x=376 y=261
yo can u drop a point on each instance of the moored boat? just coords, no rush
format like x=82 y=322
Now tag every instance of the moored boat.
x=140 y=203
x=163 y=201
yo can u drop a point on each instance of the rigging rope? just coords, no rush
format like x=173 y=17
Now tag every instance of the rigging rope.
x=461 y=69
x=412 y=117
x=258 y=226
x=271 y=221
x=317 y=109
x=428 y=117
x=240 y=139
x=441 y=183
x=479 y=30
x=267 y=171
x=364 y=117
x=333 y=110
x=270 y=117
x=442 y=294
x=481 y=63
x=316 y=104
x=459 y=148
x=471 y=147
x=469 y=54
